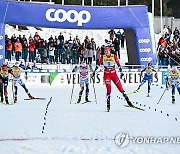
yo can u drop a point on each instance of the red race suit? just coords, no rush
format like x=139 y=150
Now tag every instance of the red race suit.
x=110 y=71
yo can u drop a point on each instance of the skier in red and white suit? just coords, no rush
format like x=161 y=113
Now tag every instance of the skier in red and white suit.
x=109 y=60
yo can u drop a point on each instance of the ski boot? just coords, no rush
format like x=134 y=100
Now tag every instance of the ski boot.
x=79 y=100
x=86 y=98
x=15 y=99
x=108 y=102
x=136 y=90
x=127 y=100
x=173 y=99
x=30 y=96
x=6 y=100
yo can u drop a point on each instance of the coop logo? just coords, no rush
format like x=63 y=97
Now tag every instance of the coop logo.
x=72 y=16
x=144 y=41
x=145 y=50
x=1 y=57
x=1 y=47
x=1 y=37
x=146 y=59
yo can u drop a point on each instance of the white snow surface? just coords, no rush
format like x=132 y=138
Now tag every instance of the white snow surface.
x=87 y=128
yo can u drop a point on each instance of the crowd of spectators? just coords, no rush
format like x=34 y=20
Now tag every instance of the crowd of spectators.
x=57 y=50
x=169 y=47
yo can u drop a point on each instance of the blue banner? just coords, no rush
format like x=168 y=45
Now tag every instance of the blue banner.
x=144 y=45
x=79 y=17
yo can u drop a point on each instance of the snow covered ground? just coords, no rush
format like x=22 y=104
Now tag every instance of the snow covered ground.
x=87 y=128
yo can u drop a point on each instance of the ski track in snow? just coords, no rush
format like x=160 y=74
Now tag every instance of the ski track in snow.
x=87 y=128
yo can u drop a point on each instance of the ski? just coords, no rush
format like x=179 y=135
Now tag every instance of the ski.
x=134 y=92
x=86 y=102
x=135 y=107
x=40 y=98
x=3 y=103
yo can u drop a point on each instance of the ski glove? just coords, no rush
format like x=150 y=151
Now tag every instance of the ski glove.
x=120 y=69
x=93 y=75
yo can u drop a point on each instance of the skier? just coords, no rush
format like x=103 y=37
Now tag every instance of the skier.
x=16 y=72
x=4 y=77
x=173 y=80
x=147 y=77
x=83 y=70
x=109 y=60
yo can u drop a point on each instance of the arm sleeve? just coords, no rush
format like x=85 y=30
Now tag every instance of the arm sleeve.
x=153 y=69
x=143 y=70
x=117 y=61
x=75 y=69
x=99 y=62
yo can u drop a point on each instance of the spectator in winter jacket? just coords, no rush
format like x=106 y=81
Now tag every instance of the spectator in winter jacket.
x=13 y=41
x=93 y=47
x=111 y=34
x=122 y=39
x=31 y=50
x=90 y=53
x=9 y=50
x=165 y=31
x=36 y=39
x=117 y=47
x=25 y=50
x=162 y=44
x=61 y=37
x=86 y=42
x=24 y=46
x=98 y=54
x=176 y=33
x=51 y=53
x=18 y=49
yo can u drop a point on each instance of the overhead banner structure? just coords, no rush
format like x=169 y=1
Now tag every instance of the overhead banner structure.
x=134 y=18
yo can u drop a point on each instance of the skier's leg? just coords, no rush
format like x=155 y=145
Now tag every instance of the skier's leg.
x=173 y=94
x=178 y=87
x=81 y=92
x=5 y=92
x=142 y=82
x=87 y=91
x=107 y=81
x=149 y=86
x=1 y=90
x=24 y=87
x=118 y=84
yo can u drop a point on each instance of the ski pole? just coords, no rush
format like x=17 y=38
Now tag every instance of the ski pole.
x=162 y=96
x=94 y=90
x=72 y=93
x=13 y=88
